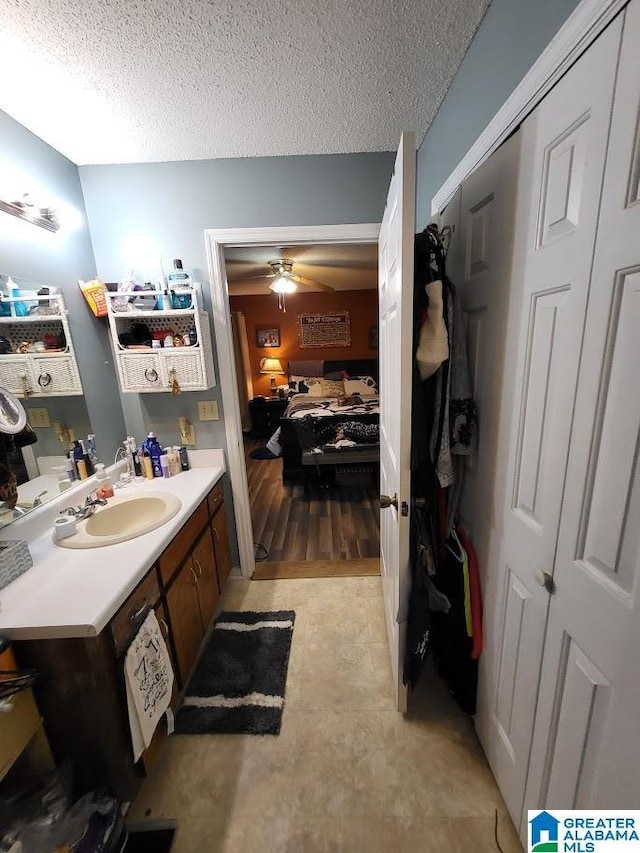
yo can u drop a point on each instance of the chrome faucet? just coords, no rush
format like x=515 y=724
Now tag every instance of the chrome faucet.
x=82 y=512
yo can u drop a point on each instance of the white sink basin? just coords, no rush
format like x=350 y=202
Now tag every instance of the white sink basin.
x=123 y=518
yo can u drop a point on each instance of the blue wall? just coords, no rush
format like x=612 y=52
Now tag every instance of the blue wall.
x=140 y=212
x=60 y=259
x=511 y=37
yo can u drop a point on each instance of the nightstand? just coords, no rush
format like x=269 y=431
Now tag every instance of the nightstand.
x=265 y=415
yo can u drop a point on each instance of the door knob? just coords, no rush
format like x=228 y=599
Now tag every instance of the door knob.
x=386 y=501
x=545 y=579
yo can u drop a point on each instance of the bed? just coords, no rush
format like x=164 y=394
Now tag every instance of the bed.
x=331 y=421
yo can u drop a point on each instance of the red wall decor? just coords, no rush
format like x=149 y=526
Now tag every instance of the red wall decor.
x=262 y=312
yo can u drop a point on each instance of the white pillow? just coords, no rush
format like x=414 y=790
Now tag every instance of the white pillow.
x=305 y=385
x=365 y=386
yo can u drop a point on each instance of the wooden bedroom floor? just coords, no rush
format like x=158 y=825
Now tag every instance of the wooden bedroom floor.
x=333 y=524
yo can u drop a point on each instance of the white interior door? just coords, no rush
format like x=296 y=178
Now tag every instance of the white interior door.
x=586 y=750
x=560 y=176
x=395 y=283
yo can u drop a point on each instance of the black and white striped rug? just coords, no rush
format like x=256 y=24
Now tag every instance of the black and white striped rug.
x=239 y=683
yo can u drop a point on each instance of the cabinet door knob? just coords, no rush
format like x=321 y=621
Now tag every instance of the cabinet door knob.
x=195 y=576
x=44 y=380
x=151 y=375
x=197 y=562
x=216 y=535
x=163 y=627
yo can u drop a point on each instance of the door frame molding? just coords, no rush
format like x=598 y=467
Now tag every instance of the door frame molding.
x=216 y=240
x=582 y=27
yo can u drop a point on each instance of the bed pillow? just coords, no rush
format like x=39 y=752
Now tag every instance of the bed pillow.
x=305 y=385
x=363 y=385
x=332 y=388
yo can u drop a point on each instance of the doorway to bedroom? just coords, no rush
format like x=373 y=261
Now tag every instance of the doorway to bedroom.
x=304 y=322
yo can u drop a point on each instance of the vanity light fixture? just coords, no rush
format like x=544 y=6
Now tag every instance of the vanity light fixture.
x=25 y=209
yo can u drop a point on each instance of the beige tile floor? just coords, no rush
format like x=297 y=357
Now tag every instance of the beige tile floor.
x=347 y=774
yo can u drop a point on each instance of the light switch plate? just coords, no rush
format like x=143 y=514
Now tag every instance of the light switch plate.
x=208 y=410
x=39 y=418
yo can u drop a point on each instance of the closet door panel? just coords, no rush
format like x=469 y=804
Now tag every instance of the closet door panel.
x=563 y=152
x=480 y=265
x=597 y=572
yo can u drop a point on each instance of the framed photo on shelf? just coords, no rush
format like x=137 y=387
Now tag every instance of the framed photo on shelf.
x=268 y=337
x=373 y=337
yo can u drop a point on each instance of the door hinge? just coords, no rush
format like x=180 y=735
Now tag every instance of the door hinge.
x=404 y=509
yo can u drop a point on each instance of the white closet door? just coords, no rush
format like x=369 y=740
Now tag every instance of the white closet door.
x=586 y=749
x=484 y=285
x=560 y=177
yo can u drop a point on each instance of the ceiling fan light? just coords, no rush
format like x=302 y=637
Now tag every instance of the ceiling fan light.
x=282 y=284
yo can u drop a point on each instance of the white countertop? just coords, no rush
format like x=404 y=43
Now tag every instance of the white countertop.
x=74 y=593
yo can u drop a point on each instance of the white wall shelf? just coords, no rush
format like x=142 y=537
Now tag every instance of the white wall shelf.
x=39 y=373
x=151 y=371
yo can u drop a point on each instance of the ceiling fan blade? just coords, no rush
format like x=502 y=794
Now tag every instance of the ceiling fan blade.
x=252 y=277
x=310 y=282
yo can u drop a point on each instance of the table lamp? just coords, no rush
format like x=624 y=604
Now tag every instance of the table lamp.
x=271 y=366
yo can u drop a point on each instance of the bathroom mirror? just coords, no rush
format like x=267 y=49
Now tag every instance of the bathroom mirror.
x=32 y=326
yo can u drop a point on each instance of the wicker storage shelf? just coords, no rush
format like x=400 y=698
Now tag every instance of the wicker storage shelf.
x=39 y=374
x=148 y=371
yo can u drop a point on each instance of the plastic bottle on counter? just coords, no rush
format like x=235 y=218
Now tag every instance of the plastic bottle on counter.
x=104 y=487
x=174 y=461
x=155 y=452
x=147 y=467
x=164 y=466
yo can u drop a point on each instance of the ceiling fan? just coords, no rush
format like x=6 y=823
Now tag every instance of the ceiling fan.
x=285 y=281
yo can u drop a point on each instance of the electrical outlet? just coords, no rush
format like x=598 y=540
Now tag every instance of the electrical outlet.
x=39 y=418
x=208 y=410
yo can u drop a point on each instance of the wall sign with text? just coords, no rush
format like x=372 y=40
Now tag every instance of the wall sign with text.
x=325 y=330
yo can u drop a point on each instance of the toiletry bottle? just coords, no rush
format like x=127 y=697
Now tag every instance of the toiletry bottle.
x=155 y=452
x=137 y=467
x=184 y=459
x=72 y=474
x=82 y=469
x=91 y=450
x=87 y=460
x=174 y=461
x=18 y=309
x=164 y=466
x=178 y=275
x=180 y=285
x=77 y=455
x=104 y=489
x=193 y=336
x=147 y=467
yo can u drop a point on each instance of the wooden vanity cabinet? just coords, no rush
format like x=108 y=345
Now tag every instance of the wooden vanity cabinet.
x=220 y=533
x=81 y=689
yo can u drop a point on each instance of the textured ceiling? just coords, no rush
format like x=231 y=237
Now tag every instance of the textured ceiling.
x=343 y=266
x=151 y=80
